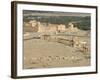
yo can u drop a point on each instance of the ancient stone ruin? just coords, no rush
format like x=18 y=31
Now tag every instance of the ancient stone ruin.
x=46 y=31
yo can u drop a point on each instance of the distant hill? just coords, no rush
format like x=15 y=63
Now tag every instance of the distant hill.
x=81 y=22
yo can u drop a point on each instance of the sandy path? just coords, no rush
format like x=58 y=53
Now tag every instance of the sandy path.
x=40 y=53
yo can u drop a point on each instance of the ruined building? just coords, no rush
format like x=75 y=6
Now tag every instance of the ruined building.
x=41 y=27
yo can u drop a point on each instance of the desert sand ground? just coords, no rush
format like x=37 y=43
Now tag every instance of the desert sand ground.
x=39 y=53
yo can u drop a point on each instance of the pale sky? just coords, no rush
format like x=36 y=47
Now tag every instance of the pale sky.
x=50 y=13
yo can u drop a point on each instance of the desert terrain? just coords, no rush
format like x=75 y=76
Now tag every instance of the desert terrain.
x=62 y=49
